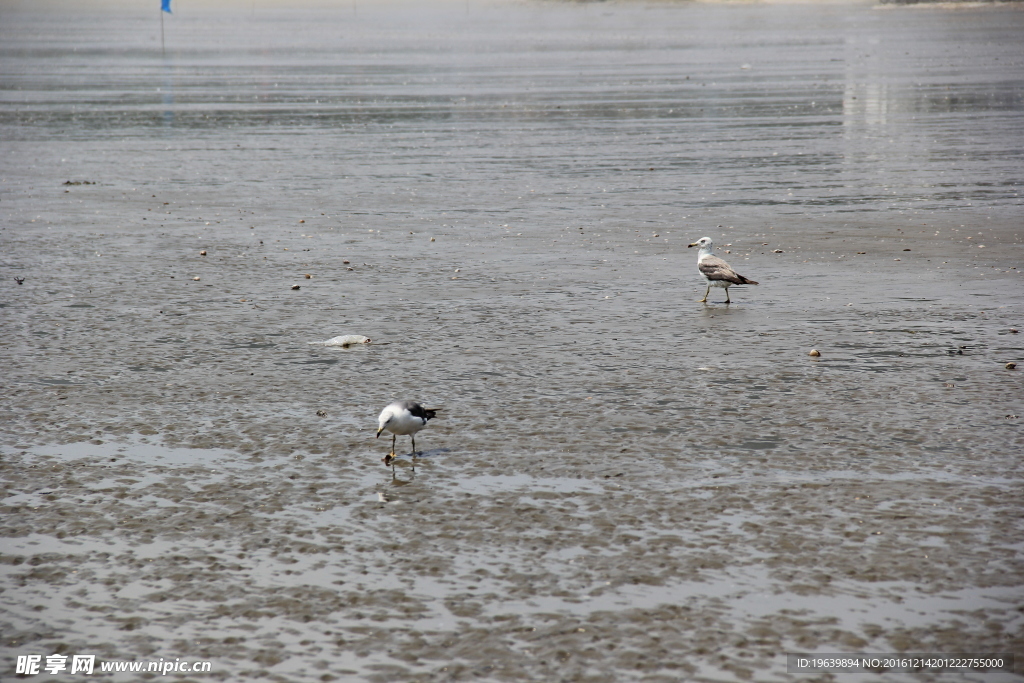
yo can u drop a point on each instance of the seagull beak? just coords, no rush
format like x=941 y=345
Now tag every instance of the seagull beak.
x=381 y=429
x=691 y=245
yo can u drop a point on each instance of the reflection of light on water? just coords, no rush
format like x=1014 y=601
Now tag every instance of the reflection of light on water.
x=865 y=96
x=483 y=484
x=752 y=592
x=865 y=104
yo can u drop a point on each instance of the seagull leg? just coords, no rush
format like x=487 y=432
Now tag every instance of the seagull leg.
x=705 y=299
x=727 y=296
x=393 y=437
x=413 y=445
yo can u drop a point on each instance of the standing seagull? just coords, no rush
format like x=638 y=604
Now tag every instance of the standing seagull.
x=717 y=272
x=403 y=417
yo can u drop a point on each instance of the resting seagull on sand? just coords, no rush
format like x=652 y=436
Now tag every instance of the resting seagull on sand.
x=403 y=417
x=716 y=271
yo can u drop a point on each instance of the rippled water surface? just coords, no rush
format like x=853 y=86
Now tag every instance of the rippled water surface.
x=623 y=483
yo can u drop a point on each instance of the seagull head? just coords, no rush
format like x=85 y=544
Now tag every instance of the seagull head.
x=706 y=247
x=382 y=421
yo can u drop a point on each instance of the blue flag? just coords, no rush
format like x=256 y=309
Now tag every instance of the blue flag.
x=165 y=5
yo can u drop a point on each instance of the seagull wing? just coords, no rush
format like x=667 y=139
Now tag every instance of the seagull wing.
x=416 y=410
x=714 y=268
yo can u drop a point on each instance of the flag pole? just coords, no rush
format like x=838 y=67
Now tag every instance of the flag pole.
x=165 y=6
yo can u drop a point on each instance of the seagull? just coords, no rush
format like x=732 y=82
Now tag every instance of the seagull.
x=403 y=417
x=717 y=272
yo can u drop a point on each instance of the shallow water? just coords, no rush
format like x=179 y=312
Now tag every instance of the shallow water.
x=624 y=483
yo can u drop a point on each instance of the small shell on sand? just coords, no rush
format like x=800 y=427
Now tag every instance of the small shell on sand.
x=1011 y=366
x=344 y=340
x=814 y=353
x=295 y=287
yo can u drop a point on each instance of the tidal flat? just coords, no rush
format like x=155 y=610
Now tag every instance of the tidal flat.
x=623 y=484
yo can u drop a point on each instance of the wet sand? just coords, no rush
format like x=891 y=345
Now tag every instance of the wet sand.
x=624 y=483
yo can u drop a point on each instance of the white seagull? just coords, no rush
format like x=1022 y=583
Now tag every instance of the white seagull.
x=717 y=272
x=403 y=417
